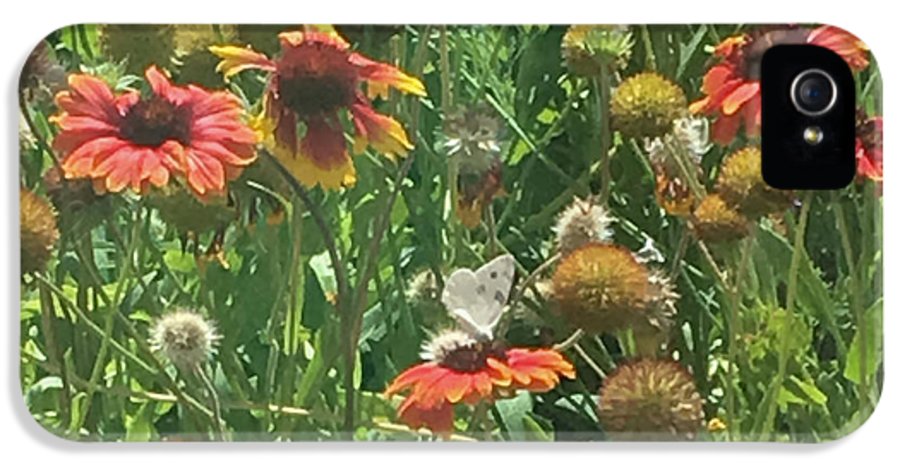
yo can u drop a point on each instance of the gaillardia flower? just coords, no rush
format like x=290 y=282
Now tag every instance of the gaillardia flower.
x=134 y=140
x=645 y=105
x=869 y=136
x=37 y=229
x=741 y=185
x=732 y=86
x=590 y=50
x=185 y=338
x=461 y=369
x=581 y=222
x=650 y=400
x=313 y=84
x=601 y=287
x=714 y=220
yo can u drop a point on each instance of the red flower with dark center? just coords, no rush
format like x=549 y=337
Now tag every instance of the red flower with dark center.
x=133 y=140
x=869 y=135
x=315 y=82
x=465 y=370
x=732 y=86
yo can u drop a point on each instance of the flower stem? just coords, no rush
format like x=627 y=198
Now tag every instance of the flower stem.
x=602 y=88
x=569 y=342
x=214 y=400
x=112 y=308
x=771 y=402
x=855 y=300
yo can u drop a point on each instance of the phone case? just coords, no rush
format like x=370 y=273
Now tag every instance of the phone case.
x=425 y=232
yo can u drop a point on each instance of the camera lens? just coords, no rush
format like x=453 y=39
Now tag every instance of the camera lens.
x=813 y=92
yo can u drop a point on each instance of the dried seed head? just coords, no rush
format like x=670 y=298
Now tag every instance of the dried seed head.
x=646 y=105
x=590 y=50
x=185 y=338
x=38 y=231
x=741 y=185
x=601 y=288
x=650 y=400
x=714 y=220
x=582 y=222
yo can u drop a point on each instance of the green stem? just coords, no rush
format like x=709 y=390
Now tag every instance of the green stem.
x=648 y=48
x=855 y=300
x=602 y=88
x=771 y=402
x=219 y=426
x=112 y=308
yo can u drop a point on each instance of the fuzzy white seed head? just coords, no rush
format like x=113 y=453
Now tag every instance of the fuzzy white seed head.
x=581 y=222
x=184 y=337
x=445 y=343
x=663 y=302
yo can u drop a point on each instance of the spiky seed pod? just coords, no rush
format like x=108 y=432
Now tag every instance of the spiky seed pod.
x=714 y=220
x=80 y=208
x=472 y=137
x=185 y=338
x=650 y=400
x=187 y=214
x=445 y=343
x=741 y=185
x=601 y=288
x=196 y=64
x=645 y=106
x=589 y=50
x=653 y=332
x=581 y=222
x=140 y=45
x=37 y=229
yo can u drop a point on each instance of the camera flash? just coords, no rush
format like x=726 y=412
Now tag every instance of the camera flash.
x=813 y=135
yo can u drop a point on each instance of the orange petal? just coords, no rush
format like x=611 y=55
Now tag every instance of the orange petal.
x=386 y=74
x=739 y=96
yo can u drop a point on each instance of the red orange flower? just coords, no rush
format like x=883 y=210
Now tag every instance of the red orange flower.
x=464 y=370
x=313 y=82
x=132 y=140
x=732 y=86
x=868 y=148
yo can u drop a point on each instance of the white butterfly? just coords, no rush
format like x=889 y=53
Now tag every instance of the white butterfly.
x=476 y=299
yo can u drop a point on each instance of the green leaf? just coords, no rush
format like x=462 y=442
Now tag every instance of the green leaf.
x=810 y=390
x=513 y=413
x=180 y=261
x=139 y=427
x=872 y=334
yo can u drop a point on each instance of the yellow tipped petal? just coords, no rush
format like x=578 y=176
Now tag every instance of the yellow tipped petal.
x=237 y=59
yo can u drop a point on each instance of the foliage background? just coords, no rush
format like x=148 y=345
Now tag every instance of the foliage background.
x=281 y=335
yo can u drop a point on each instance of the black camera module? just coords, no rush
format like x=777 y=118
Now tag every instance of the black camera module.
x=813 y=92
x=808 y=118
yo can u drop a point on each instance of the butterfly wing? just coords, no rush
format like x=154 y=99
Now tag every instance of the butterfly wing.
x=476 y=299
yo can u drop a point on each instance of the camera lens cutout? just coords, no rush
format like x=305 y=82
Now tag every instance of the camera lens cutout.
x=813 y=92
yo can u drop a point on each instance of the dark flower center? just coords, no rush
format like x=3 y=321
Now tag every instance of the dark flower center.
x=155 y=120
x=473 y=358
x=753 y=53
x=314 y=79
